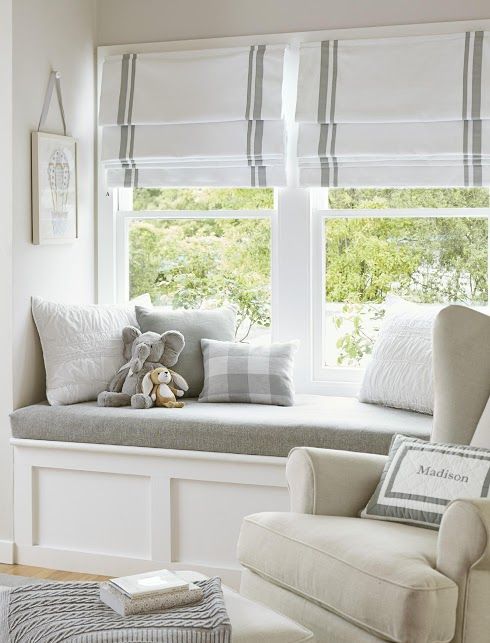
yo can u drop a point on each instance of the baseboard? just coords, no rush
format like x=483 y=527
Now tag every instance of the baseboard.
x=6 y=552
x=91 y=563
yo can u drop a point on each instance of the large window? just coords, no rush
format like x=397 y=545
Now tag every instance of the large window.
x=381 y=246
x=204 y=248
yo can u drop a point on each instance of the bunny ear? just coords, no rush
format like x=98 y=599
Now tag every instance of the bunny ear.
x=173 y=343
x=147 y=384
x=179 y=381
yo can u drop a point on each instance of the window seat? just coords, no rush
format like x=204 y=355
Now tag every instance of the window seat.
x=319 y=421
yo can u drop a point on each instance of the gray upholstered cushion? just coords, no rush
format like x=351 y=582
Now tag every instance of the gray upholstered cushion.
x=236 y=372
x=330 y=422
x=194 y=325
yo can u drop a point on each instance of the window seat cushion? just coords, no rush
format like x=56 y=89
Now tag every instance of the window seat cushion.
x=315 y=420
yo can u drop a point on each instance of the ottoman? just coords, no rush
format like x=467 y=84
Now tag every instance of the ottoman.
x=251 y=622
x=254 y=623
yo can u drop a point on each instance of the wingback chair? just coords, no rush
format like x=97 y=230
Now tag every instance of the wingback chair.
x=358 y=580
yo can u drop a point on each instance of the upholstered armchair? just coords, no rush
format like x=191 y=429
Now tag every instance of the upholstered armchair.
x=358 y=580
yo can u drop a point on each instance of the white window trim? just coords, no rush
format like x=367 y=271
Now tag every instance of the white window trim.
x=295 y=220
x=127 y=214
x=347 y=379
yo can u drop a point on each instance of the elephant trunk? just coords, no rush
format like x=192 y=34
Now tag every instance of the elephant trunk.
x=139 y=357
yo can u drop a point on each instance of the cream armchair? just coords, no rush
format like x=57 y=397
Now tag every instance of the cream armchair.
x=353 y=580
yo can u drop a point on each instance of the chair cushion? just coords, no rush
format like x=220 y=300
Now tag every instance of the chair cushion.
x=256 y=429
x=379 y=576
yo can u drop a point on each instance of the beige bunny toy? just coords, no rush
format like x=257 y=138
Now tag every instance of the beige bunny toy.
x=164 y=387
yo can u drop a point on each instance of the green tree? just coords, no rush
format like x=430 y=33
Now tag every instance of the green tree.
x=427 y=260
x=191 y=263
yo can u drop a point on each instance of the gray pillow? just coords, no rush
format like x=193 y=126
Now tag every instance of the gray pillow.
x=194 y=325
x=235 y=372
x=421 y=478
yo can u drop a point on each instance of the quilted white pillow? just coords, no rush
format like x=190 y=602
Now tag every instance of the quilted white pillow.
x=399 y=373
x=82 y=346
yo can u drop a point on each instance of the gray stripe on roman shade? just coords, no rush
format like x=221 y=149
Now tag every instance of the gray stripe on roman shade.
x=395 y=111
x=204 y=97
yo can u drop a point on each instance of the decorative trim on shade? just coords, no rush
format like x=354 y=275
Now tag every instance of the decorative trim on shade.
x=409 y=111
x=211 y=117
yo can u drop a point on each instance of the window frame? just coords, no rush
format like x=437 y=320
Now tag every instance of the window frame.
x=347 y=378
x=125 y=214
x=295 y=220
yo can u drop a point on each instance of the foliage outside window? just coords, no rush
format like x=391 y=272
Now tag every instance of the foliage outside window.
x=427 y=260
x=205 y=262
x=203 y=199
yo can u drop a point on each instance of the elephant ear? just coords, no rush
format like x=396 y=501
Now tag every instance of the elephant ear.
x=173 y=345
x=129 y=334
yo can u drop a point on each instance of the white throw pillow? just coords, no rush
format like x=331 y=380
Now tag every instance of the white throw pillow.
x=399 y=373
x=421 y=478
x=82 y=346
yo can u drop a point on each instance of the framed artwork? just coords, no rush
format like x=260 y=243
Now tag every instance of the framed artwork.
x=54 y=189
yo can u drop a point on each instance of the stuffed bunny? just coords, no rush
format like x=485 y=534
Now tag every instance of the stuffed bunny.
x=164 y=387
x=145 y=352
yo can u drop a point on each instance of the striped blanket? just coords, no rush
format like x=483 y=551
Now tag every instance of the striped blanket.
x=73 y=613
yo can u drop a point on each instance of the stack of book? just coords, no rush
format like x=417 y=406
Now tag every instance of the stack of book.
x=150 y=592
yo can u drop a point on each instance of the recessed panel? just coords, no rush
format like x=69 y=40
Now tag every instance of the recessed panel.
x=206 y=517
x=92 y=512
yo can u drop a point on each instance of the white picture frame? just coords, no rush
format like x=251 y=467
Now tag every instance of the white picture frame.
x=54 y=189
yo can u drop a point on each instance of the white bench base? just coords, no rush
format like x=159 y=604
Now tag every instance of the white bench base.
x=117 y=510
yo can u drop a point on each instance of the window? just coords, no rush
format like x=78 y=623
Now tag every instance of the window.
x=203 y=248
x=323 y=265
x=428 y=246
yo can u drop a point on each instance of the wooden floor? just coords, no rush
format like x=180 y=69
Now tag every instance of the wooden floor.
x=51 y=574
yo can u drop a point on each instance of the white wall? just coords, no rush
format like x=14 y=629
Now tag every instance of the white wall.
x=6 y=278
x=49 y=34
x=128 y=21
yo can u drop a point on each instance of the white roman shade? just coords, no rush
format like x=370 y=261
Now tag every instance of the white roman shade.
x=194 y=118
x=407 y=111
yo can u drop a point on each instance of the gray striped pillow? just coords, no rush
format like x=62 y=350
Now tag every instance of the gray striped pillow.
x=235 y=372
x=421 y=478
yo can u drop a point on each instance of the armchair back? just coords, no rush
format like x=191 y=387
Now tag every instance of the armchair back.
x=461 y=363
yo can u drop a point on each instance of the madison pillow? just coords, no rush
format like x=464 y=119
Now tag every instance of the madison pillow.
x=194 y=325
x=235 y=372
x=82 y=346
x=399 y=373
x=421 y=478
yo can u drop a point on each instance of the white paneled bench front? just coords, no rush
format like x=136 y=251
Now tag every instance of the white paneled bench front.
x=118 y=491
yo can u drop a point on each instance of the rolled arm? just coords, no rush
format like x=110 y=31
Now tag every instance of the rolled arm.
x=463 y=554
x=327 y=482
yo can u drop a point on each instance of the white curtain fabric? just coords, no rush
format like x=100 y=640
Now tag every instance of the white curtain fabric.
x=211 y=117
x=409 y=111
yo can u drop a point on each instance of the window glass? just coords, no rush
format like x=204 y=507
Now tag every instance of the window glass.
x=372 y=261
x=380 y=198
x=203 y=199
x=206 y=262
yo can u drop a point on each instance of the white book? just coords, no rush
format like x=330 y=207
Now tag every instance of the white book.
x=126 y=606
x=150 y=584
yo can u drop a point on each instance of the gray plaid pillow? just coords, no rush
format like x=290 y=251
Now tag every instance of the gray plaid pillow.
x=235 y=372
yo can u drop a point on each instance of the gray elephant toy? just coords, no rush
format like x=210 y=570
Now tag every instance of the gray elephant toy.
x=144 y=353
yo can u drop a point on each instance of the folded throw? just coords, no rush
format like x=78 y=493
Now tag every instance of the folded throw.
x=73 y=612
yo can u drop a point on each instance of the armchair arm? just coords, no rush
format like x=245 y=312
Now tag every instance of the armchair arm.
x=463 y=554
x=328 y=482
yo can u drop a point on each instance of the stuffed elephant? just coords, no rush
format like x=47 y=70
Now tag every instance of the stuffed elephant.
x=144 y=353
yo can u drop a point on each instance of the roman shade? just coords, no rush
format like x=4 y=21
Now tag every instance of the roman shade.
x=194 y=118
x=405 y=111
